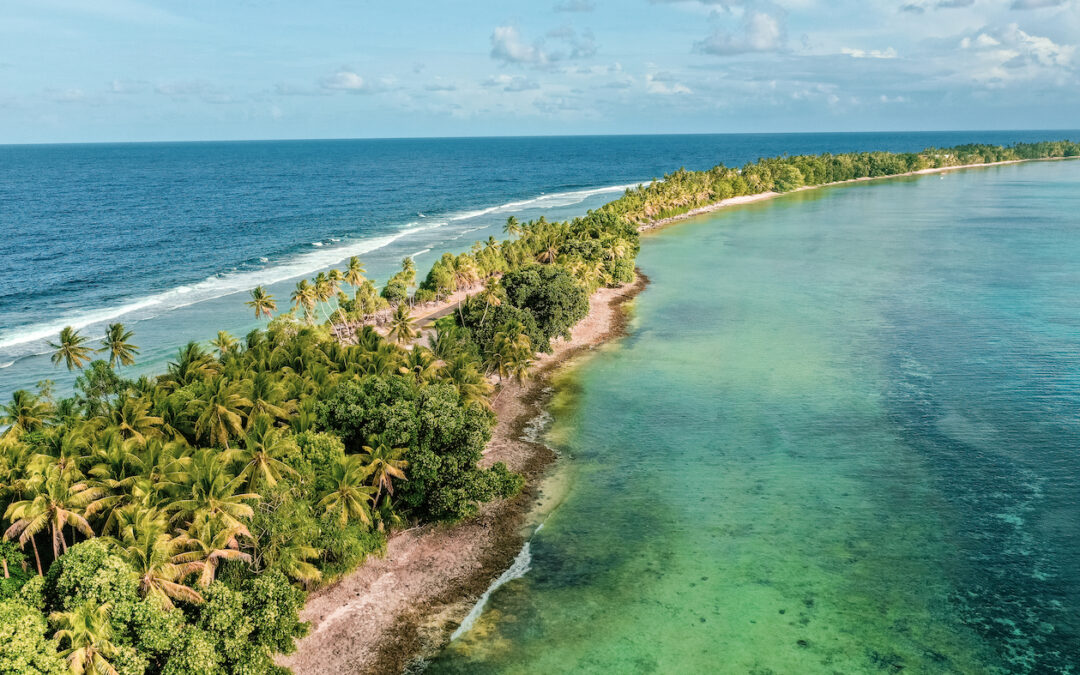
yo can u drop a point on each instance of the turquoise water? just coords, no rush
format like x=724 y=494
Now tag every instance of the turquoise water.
x=842 y=436
x=169 y=237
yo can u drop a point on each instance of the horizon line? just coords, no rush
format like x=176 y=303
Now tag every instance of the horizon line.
x=526 y=136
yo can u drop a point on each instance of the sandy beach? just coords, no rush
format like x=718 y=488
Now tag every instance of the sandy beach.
x=404 y=605
x=761 y=196
x=407 y=603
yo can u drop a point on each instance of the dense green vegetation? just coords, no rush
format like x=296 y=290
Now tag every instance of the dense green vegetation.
x=684 y=190
x=172 y=524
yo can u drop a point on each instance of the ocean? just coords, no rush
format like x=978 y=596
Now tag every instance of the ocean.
x=168 y=237
x=840 y=436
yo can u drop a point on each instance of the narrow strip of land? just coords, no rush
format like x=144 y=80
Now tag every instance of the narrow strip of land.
x=761 y=196
x=407 y=602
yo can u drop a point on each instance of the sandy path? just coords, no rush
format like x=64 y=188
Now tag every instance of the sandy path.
x=406 y=603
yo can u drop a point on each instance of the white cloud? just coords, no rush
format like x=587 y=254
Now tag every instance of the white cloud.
x=1036 y=4
x=664 y=84
x=512 y=83
x=761 y=32
x=128 y=87
x=1011 y=54
x=1042 y=50
x=889 y=53
x=344 y=80
x=507 y=46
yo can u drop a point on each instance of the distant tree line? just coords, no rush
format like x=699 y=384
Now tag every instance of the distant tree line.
x=683 y=190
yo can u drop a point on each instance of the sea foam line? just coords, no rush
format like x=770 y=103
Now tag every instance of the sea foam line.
x=226 y=284
x=545 y=201
x=213 y=287
x=521 y=565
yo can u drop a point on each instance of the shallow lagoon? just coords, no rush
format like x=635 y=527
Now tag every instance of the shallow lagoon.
x=842 y=435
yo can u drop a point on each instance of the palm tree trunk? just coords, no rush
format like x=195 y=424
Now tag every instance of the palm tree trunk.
x=6 y=574
x=37 y=557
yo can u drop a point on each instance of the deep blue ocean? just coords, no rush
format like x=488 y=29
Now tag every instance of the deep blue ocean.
x=168 y=237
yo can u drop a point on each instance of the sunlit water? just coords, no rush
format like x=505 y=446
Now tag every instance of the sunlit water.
x=842 y=436
x=169 y=237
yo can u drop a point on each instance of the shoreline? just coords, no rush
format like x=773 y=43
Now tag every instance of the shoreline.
x=398 y=609
x=762 y=196
x=403 y=606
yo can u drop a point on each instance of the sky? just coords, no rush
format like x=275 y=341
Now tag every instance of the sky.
x=157 y=70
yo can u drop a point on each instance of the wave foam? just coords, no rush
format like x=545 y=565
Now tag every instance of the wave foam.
x=213 y=287
x=521 y=565
x=545 y=201
x=323 y=256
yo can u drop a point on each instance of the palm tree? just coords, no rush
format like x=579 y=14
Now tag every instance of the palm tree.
x=511 y=349
x=65 y=449
x=350 y=497
x=323 y=288
x=56 y=502
x=267 y=398
x=470 y=383
x=224 y=343
x=219 y=412
x=70 y=349
x=192 y=364
x=213 y=493
x=549 y=253
x=491 y=297
x=166 y=465
x=262 y=302
x=211 y=541
x=25 y=413
x=304 y=297
x=512 y=227
x=354 y=273
x=88 y=634
x=401 y=325
x=335 y=277
x=382 y=362
x=518 y=365
x=118 y=343
x=383 y=463
x=408 y=272
x=264 y=445
x=291 y=557
x=465 y=270
x=156 y=558
x=132 y=418
x=421 y=363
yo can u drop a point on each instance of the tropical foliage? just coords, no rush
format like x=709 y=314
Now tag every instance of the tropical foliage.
x=171 y=524
x=683 y=190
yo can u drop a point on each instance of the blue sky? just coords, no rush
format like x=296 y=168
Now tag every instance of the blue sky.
x=120 y=70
